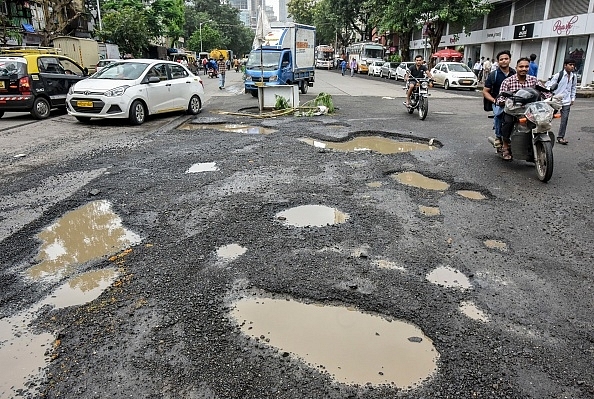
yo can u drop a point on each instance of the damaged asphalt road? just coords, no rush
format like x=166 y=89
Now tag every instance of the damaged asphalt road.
x=165 y=327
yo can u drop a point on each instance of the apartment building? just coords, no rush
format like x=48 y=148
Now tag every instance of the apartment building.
x=551 y=29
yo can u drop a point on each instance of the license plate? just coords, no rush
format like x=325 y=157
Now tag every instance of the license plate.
x=1 y=85
x=86 y=104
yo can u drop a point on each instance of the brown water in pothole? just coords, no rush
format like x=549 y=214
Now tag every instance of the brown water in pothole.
x=449 y=277
x=429 y=210
x=495 y=244
x=228 y=127
x=475 y=195
x=312 y=215
x=415 y=179
x=231 y=251
x=352 y=346
x=388 y=264
x=203 y=167
x=380 y=144
x=84 y=234
x=24 y=353
x=470 y=310
x=374 y=184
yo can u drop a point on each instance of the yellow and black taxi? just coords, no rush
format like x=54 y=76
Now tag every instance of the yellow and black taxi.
x=36 y=80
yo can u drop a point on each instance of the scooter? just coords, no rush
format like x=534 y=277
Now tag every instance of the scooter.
x=212 y=73
x=532 y=137
x=419 y=98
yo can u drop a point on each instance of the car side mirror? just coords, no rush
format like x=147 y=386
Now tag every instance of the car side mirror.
x=154 y=79
x=86 y=71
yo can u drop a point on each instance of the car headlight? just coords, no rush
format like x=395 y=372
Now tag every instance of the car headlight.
x=273 y=78
x=118 y=91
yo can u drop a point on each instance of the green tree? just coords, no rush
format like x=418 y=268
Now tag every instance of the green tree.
x=167 y=18
x=211 y=39
x=128 y=27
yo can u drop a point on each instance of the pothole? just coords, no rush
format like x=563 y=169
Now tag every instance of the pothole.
x=379 y=144
x=475 y=195
x=374 y=184
x=84 y=234
x=429 y=210
x=416 y=179
x=449 y=277
x=231 y=251
x=228 y=127
x=312 y=216
x=203 y=167
x=351 y=346
x=496 y=244
x=388 y=264
x=470 y=310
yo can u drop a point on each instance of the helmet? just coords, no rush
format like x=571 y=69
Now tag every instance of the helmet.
x=527 y=95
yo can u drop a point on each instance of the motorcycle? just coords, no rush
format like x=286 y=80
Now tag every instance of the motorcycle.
x=419 y=97
x=532 y=138
x=212 y=73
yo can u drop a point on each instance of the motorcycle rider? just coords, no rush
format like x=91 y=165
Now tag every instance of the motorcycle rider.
x=492 y=88
x=419 y=70
x=520 y=80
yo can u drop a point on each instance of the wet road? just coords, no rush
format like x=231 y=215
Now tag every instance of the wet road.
x=277 y=258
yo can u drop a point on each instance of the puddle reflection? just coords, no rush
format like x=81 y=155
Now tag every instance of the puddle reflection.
x=312 y=215
x=379 y=144
x=415 y=179
x=449 y=277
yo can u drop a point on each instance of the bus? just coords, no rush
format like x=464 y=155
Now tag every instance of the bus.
x=365 y=53
x=324 y=56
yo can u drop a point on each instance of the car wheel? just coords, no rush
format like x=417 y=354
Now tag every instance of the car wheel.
x=254 y=93
x=41 y=108
x=446 y=85
x=195 y=105
x=137 y=114
x=83 y=119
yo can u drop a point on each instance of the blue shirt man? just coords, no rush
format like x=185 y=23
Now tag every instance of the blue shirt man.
x=533 y=70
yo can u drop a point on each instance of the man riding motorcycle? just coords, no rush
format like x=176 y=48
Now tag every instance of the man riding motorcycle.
x=418 y=71
x=520 y=80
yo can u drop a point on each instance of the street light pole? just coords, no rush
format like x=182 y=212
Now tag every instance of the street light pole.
x=210 y=20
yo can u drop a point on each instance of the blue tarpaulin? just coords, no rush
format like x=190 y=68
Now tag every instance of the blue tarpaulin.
x=28 y=28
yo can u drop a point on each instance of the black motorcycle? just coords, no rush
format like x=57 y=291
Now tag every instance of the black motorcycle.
x=419 y=98
x=532 y=137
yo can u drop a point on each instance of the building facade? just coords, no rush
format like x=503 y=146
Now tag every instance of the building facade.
x=551 y=29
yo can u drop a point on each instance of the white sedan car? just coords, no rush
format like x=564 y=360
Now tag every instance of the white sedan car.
x=454 y=75
x=134 y=89
x=375 y=68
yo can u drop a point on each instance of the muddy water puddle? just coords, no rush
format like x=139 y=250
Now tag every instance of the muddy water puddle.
x=312 y=216
x=228 y=127
x=230 y=251
x=203 y=167
x=449 y=277
x=475 y=195
x=379 y=144
x=25 y=353
x=388 y=264
x=416 y=179
x=84 y=234
x=496 y=244
x=470 y=310
x=352 y=346
x=429 y=210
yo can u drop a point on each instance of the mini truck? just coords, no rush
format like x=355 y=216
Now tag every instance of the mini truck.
x=287 y=57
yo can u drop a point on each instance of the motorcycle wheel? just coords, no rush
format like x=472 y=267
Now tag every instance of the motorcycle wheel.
x=411 y=109
x=423 y=108
x=544 y=160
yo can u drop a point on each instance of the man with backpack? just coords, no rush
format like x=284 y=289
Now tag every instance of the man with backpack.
x=566 y=86
x=491 y=91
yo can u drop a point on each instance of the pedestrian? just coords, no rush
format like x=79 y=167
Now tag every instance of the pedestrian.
x=491 y=90
x=566 y=86
x=353 y=66
x=480 y=77
x=477 y=68
x=236 y=64
x=343 y=65
x=222 y=64
x=204 y=62
x=486 y=69
x=533 y=71
x=469 y=63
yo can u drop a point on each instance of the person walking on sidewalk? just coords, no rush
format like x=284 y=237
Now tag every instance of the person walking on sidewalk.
x=343 y=66
x=222 y=68
x=353 y=66
x=566 y=86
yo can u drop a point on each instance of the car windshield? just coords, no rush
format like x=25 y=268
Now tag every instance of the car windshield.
x=459 y=68
x=122 y=71
x=12 y=67
x=268 y=61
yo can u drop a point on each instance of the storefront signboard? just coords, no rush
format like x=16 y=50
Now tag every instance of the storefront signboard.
x=524 y=31
x=566 y=26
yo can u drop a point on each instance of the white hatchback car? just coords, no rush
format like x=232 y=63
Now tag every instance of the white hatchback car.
x=454 y=75
x=134 y=89
x=375 y=68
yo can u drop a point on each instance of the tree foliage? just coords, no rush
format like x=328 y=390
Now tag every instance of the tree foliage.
x=128 y=27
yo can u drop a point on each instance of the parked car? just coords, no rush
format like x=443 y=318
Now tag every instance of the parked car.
x=103 y=63
x=388 y=70
x=36 y=82
x=134 y=89
x=375 y=68
x=454 y=75
x=401 y=69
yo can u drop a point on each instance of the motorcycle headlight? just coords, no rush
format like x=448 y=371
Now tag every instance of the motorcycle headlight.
x=118 y=91
x=273 y=78
x=539 y=113
x=424 y=85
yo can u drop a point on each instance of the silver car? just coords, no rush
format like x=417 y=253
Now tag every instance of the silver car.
x=389 y=70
